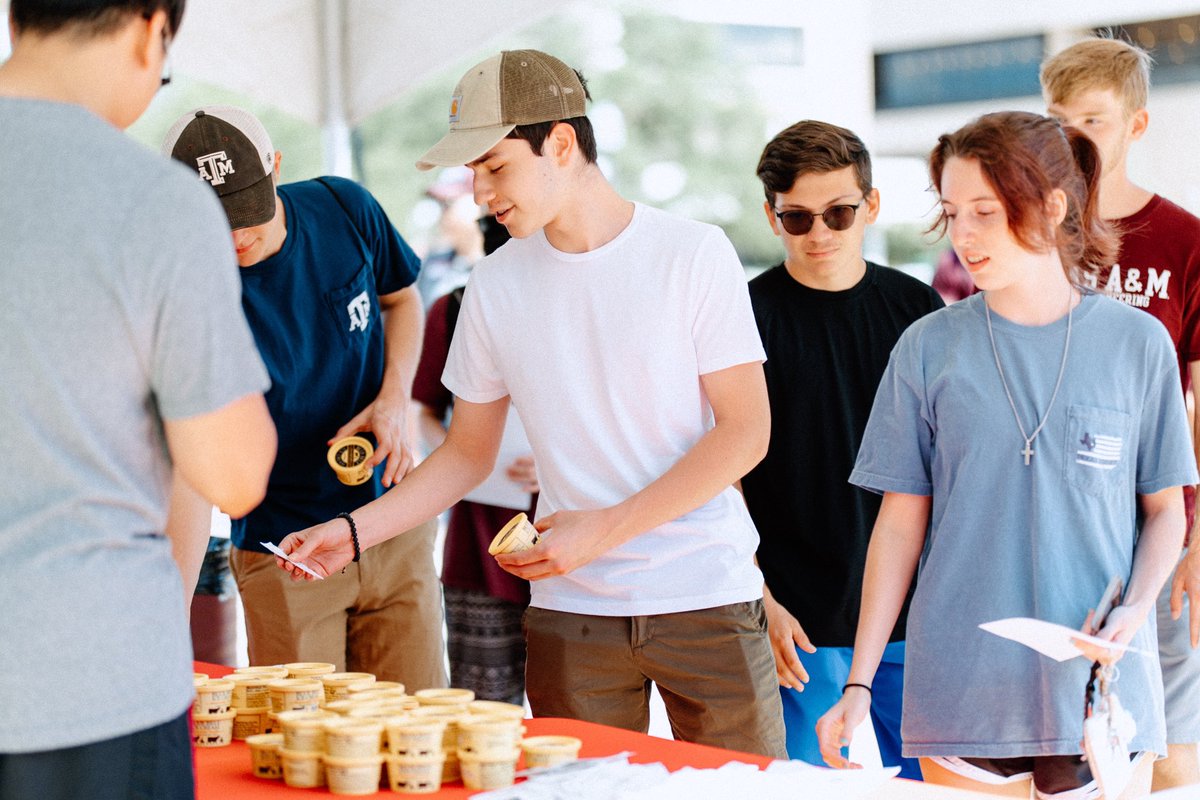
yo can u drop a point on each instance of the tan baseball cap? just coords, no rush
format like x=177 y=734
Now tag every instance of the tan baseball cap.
x=515 y=87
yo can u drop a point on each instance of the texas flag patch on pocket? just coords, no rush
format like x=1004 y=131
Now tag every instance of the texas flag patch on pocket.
x=1098 y=451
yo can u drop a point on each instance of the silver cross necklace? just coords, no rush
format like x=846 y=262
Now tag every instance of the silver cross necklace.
x=1028 y=451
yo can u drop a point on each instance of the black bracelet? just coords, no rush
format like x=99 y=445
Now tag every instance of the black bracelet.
x=353 y=533
x=859 y=685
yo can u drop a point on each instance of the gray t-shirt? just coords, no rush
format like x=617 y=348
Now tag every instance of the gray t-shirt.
x=120 y=308
x=1006 y=540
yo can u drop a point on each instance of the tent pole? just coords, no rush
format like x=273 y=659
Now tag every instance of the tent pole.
x=335 y=133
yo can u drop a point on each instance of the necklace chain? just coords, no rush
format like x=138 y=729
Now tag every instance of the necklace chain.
x=1062 y=368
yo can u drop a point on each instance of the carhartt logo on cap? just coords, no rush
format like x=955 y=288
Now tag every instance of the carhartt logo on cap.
x=455 y=102
x=214 y=167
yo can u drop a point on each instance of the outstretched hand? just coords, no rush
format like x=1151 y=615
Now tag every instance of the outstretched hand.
x=325 y=548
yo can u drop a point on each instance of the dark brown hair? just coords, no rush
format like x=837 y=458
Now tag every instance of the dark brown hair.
x=1025 y=157
x=88 y=17
x=810 y=146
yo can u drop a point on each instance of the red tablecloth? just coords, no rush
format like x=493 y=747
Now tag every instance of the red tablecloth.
x=224 y=772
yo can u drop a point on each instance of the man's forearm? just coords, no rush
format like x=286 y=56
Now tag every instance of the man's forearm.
x=403 y=324
x=726 y=452
x=722 y=456
x=439 y=482
x=189 y=523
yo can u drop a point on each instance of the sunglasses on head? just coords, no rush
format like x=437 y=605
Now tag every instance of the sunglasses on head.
x=836 y=218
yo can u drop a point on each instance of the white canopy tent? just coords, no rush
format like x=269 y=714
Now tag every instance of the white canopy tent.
x=334 y=62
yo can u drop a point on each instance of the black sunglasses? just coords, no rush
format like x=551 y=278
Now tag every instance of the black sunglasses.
x=836 y=218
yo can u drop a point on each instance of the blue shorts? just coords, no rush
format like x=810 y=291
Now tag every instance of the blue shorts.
x=828 y=671
x=1180 y=670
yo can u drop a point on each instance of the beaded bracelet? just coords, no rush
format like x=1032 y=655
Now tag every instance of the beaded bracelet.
x=353 y=533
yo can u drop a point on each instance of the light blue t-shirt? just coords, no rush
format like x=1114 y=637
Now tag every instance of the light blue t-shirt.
x=120 y=309
x=1009 y=540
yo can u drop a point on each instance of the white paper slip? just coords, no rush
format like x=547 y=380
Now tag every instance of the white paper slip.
x=1051 y=639
x=275 y=549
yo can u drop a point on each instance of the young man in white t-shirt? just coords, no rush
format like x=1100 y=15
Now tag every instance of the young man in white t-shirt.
x=625 y=337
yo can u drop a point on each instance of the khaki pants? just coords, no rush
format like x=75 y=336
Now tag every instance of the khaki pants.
x=713 y=668
x=383 y=615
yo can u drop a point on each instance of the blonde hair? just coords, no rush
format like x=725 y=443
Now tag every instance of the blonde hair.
x=1099 y=64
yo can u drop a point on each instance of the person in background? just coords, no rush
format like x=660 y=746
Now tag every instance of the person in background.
x=327 y=286
x=1101 y=87
x=459 y=243
x=828 y=320
x=484 y=604
x=1013 y=466
x=131 y=394
x=951 y=279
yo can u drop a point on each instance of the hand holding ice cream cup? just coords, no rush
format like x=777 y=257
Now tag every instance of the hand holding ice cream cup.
x=519 y=534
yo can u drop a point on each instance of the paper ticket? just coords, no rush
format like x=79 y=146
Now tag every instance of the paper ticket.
x=275 y=549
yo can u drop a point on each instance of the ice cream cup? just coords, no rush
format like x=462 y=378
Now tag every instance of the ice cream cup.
x=547 y=751
x=414 y=736
x=338 y=684
x=493 y=770
x=382 y=695
x=353 y=775
x=349 y=457
x=376 y=686
x=450 y=715
x=212 y=730
x=213 y=697
x=295 y=694
x=302 y=770
x=274 y=671
x=416 y=774
x=309 y=669
x=304 y=731
x=342 y=707
x=251 y=722
x=478 y=734
x=378 y=712
x=250 y=691
x=351 y=737
x=444 y=697
x=264 y=755
x=494 y=708
x=519 y=534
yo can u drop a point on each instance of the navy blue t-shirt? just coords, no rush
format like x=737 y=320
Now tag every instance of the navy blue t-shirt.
x=314 y=311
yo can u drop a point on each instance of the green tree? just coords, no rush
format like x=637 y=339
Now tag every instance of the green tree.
x=683 y=100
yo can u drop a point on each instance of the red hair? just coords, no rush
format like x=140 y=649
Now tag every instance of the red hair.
x=1024 y=157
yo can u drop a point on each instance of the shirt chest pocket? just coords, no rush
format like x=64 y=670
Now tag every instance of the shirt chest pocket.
x=355 y=308
x=1100 y=450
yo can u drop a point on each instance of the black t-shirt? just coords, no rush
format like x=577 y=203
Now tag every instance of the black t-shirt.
x=826 y=352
